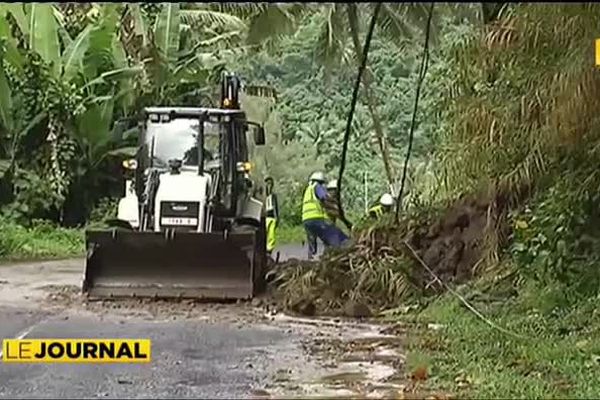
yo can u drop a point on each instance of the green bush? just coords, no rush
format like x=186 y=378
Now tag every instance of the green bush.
x=554 y=239
x=40 y=240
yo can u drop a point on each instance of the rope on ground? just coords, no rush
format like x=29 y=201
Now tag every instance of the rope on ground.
x=422 y=73
x=361 y=70
x=461 y=298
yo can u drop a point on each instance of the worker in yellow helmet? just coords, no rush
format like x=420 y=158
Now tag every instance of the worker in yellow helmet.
x=272 y=211
x=316 y=222
x=385 y=205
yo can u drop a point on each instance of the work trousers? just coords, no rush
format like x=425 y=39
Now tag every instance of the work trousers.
x=271 y=238
x=329 y=234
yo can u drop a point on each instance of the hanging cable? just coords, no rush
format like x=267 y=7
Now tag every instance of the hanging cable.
x=361 y=70
x=422 y=73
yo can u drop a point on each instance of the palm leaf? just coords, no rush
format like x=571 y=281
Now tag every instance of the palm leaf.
x=43 y=38
x=333 y=37
x=129 y=151
x=116 y=74
x=99 y=55
x=74 y=53
x=240 y=10
x=5 y=100
x=94 y=125
x=203 y=18
x=12 y=55
x=392 y=23
x=166 y=30
x=403 y=20
x=61 y=28
x=120 y=61
x=139 y=24
x=271 y=23
x=4 y=166
x=225 y=38
x=16 y=10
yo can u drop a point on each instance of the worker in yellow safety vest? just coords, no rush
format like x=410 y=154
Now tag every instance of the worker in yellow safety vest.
x=385 y=205
x=272 y=211
x=316 y=222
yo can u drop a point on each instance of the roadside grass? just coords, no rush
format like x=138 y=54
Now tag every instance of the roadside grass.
x=41 y=240
x=288 y=234
x=559 y=356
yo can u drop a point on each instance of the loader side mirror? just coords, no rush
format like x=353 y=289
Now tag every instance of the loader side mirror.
x=259 y=136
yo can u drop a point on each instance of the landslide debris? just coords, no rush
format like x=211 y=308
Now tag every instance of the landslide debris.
x=380 y=270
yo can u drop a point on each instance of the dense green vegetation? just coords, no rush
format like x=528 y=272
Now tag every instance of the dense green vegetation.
x=75 y=77
x=507 y=112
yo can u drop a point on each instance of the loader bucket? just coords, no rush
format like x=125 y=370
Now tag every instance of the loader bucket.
x=177 y=264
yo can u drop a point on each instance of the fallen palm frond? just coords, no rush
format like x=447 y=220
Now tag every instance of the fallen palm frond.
x=378 y=270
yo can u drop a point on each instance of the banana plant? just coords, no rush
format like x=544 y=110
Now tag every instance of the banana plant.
x=186 y=47
x=93 y=62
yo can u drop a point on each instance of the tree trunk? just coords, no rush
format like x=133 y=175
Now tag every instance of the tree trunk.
x=366 y=81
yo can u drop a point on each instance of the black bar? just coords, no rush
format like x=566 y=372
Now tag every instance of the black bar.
x=200 y=142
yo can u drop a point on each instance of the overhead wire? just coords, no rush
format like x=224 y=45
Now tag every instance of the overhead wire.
x=421 y=78
x=361 y=70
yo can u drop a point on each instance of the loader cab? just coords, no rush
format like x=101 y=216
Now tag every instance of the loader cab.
x=204 y=141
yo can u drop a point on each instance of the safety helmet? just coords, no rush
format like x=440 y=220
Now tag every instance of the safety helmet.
x=386 y=200
x=332 y=184
x=318 y=177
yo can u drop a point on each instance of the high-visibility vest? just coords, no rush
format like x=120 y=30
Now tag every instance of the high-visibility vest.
x=311 y=206
x=377 y=210
x=270 y=207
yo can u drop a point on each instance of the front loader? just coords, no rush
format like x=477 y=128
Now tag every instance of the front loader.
x=189 y=226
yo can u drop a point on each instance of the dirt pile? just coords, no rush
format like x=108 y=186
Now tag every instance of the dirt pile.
x=385 y=264
x=453 y=245
x=70 y=297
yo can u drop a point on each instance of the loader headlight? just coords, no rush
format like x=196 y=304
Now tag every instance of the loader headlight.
x=244 y=167
x=130 y=164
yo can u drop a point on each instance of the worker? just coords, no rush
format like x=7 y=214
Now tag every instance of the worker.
x=314 y=217
x=272 y=210
x=330 y=203
x=331 y=206
x=385 y=205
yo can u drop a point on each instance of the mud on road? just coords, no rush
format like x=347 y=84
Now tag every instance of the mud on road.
x=244 y=349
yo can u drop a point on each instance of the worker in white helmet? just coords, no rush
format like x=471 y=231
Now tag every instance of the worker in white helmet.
x=330 y=203
x=385 y=205
x=314 y=217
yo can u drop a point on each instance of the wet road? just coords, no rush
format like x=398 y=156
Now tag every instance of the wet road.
x=198 y=350
x=191 y=357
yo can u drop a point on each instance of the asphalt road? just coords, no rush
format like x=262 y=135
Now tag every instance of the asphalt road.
x=213 y=351
x=191 y=357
